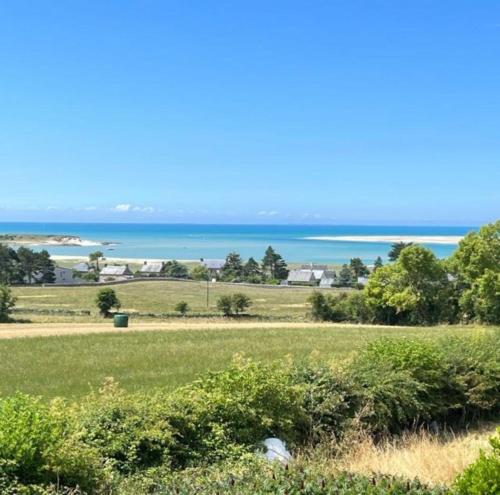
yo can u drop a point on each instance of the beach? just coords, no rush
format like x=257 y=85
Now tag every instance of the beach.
x=415 y=239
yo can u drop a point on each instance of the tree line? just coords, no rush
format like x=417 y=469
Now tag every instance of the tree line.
x=25 y=266
x=419 y=289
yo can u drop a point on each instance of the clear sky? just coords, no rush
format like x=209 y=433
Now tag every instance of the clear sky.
x=369 y=112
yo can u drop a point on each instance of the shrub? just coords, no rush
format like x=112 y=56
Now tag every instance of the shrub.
x=7 y=303
x=252 y=476
x=106 y=299
x=225 y=304
x=128 y=431
x=240 y=302
x=230 y=412
x=233 y=304
x=38 y=446
x=329 y=401
x=182 y=307
x=483 y=476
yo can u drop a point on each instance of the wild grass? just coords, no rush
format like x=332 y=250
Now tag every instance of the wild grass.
x=162 y=296
x=433 y=459
x=70 y=366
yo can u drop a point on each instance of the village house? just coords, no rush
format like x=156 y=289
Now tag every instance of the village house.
x=301 y=277
x=213 y=266
x=82 y=268
x=328 y=279
x=152 y=269
x=115 y=272
x=62 y=276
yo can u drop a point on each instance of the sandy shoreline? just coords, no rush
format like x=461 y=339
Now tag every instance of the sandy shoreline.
x=417 y=239
x=63 y=257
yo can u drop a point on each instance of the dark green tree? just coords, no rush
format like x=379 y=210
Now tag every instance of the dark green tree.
x=273 y=265
x=45 y=268
x=358 y=268
x=345 y=276
x=233 y=268
x=7 y=303
x=9 y=272
x=107 y=299
x=396 y=249
x=252 y=271
x=27 y=264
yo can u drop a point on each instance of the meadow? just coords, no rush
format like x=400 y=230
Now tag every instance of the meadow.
x=70 y=366
x=162 y=296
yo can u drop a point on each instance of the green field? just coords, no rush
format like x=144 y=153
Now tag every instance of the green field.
x=162 y=296
x=71 y=365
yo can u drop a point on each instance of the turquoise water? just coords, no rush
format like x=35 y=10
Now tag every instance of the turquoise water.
x=215 y=241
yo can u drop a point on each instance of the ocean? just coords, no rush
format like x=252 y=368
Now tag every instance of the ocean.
x=296 y=243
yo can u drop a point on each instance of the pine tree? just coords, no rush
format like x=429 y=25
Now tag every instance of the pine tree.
x=273 y=265
x=378 y=264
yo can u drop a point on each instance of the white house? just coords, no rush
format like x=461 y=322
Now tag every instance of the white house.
x=301 y=277
x=214 y=266
x=151 y=269
x=328 y=279
x=115 y=272
x=63 y=276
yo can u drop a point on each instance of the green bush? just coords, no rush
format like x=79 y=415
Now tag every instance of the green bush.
x=38 y=445
x=230 y=412
x=106 y=299
x=129 y=432
x=483 y=476
x=182 y=307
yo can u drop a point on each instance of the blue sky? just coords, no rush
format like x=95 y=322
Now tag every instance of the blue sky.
x=369 y=112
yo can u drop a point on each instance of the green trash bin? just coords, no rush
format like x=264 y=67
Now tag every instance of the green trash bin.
x=120 y=320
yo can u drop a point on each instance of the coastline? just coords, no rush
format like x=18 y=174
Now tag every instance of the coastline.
x=389 y=239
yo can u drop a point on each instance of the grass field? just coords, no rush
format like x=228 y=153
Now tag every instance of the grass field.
x=162 y=296
x=70 y=366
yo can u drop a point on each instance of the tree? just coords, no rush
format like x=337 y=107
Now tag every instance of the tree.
x=200 y=272
x=358 y=268
x=107 y=299
x=225 y=305
x=345 y=276
x=396 y=249
x=252 y=271
x=182 y=307
x=240 y=302
x=378 y=263
x=27 y=263
x=233 y=268
x=476 y=267
x=7 y=303
x=95 y=257
x=273 y=265
x=174 y=269
x=413 y=290
x=9 y=271
x=45 y=268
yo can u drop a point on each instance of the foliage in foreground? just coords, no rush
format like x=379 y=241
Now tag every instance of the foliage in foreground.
x=482 y=477
x=115 y=438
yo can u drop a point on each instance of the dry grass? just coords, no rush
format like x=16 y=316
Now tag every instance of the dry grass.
x=433 y=459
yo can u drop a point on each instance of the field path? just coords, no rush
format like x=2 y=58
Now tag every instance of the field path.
x=16 y=330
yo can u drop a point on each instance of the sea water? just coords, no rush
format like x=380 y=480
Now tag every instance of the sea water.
x=192 y=242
